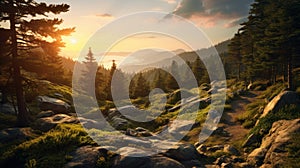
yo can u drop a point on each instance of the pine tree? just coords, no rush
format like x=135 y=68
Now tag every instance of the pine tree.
x=140 y=87
x=171 y=83
x=88 y=73
x=28 y=32
x=159 y=81
x=111 y=73
x=234 y=55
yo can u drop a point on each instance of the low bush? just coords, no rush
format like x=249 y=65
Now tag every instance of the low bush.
x=48 y=150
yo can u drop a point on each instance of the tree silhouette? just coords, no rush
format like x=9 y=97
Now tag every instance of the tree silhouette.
x=28 y=30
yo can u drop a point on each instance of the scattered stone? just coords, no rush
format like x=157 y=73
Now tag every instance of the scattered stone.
x=47 y=113
x=202 y=148
x=191 y=102
x=131 y=132
x=222 y=159
x=12 y=134
x=197 y=144
x=236 y=159
x=249 y=87
x=56 y=105
x=257 y=156
x=58 y=95
x=184 y=153
x=215 y=148
x=84 y=157
x=226 y=165
x=119 y=123
x=231 y=150
x=47 y=123
x=245 y=165
x=89 y=123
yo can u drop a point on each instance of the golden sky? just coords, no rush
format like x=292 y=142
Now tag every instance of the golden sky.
x=218 y=20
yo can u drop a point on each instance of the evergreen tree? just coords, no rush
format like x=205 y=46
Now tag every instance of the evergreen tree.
x=27 y=32
x=171 y=83
x=88 y=73
x=140 y=87
x=159 y=81
x=111 y=73
x=234 y=55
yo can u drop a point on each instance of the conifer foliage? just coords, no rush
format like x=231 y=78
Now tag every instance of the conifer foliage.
x=30 y=28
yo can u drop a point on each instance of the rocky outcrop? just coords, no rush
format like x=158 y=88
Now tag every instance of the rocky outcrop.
x=252 y=139
x=47 y=123
x=56 y=105
x=281 y=100
x=272 y=151
x=176 y=157
x=85 y=157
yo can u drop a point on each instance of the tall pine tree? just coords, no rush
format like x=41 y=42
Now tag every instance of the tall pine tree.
x=28 y=29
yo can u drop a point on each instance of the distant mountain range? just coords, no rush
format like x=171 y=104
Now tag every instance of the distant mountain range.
x=152 y=58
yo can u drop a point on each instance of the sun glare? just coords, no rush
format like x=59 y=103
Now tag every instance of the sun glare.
x=73 y=41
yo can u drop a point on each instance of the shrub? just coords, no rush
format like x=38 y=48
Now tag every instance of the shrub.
x=48 y=150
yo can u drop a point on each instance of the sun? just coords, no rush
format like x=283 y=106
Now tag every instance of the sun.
x=73 y=40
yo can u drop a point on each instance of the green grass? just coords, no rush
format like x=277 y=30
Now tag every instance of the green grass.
x=254 y=109
x=287 y=113
x=48 y=150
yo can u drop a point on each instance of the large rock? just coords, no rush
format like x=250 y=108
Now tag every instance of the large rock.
x=184 y=153
x=252 y=139
x=127 y=159
x=119 y=123
x=7 y=108
x=43 y=114
x=164 y=162
x=257 y=156
x=273 y=147
x=89 y=123
x=231 y=150
x=12 y=134
x=47 y=123
x=85 y=157
x=56 y=105
x=281 y=100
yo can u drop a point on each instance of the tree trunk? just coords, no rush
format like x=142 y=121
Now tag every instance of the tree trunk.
x=23 y=119
x=239 y=71
x=284 y=71
x=290 y=73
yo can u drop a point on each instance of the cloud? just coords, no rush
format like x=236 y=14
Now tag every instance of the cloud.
x=236 y=22
x=104 y=15
x=213 y=11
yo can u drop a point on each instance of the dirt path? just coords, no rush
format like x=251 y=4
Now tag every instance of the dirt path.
x=237 y=132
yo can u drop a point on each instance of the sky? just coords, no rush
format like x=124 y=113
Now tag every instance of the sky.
x=218 y=19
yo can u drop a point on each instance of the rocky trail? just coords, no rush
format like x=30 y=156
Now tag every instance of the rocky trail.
x=229 y=121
